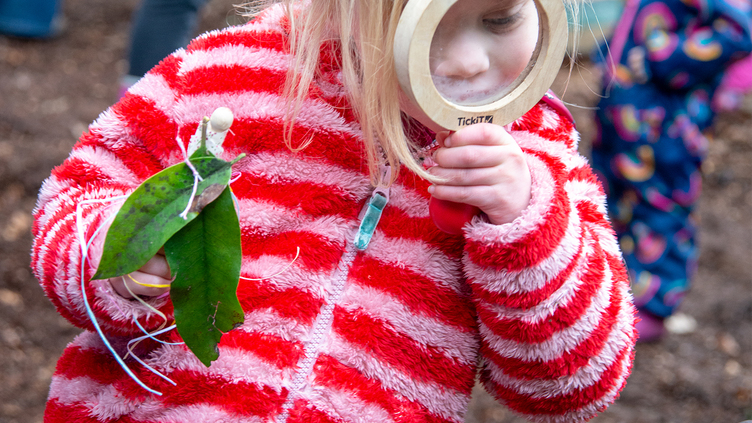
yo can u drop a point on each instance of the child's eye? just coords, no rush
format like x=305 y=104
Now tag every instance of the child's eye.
x=501 y=23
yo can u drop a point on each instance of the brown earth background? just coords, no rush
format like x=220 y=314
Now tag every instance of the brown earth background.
x=51 y=90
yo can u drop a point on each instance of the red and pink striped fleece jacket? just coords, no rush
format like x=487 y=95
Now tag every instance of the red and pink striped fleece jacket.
x=395 y=333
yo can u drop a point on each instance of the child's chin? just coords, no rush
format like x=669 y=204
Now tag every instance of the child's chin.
x=470 y=97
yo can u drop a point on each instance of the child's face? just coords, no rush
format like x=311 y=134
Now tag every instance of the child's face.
x=481 y=46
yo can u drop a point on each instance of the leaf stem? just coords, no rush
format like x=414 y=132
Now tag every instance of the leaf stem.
x=237 y=159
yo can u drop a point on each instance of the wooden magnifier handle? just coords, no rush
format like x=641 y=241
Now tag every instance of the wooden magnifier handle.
x=450 y=216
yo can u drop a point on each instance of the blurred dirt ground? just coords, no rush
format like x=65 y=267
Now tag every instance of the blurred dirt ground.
x=51 y=90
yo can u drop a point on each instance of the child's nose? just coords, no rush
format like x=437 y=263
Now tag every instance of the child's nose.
x=462 y=58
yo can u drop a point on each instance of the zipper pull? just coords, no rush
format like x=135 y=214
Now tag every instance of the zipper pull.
x=371 y=213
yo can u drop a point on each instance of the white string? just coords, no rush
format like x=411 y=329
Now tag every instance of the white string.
x=297 y=254
x=196 y=177
x=132 y=343
x=186 y=159
x=90 y=313
x=147 y=335
x=184 y=214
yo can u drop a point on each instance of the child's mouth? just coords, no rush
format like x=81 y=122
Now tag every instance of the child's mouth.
x=468 y=93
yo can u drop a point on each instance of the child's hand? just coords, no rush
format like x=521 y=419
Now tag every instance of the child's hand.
x=151 y=280
x=484 y=167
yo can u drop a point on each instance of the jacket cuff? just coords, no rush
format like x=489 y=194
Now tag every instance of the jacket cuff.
x=533 y=235
x=114 y=313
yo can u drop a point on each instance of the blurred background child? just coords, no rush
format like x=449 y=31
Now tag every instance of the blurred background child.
x=31 y=18
x=666 y=59
x=159 y=28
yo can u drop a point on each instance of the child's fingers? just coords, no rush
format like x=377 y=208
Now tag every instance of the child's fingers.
x=483 y=166
x=479 y=134
x=480 y=176
x=441 y=136
x=151 y=280
x=474 y=156
x=158 y=266
x=141 y=284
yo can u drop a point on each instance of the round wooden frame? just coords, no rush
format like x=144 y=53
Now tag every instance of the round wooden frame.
x=412 y=46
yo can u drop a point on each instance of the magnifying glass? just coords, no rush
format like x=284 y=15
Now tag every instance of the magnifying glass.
x=464 y=62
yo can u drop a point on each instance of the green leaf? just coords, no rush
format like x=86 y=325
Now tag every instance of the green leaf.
x=151 y=214
x=205 y=257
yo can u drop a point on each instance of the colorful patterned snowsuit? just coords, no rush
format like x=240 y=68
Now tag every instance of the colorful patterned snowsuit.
x=651 y=144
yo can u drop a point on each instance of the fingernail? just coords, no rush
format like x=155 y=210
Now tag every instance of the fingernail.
x=430 y=189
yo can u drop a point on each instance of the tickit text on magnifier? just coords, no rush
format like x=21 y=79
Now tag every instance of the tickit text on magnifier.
x=467 y=121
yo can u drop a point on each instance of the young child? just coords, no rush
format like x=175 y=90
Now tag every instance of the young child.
x=533 y=294
x=667 y=58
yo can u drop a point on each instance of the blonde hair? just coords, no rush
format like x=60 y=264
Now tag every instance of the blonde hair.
x=365 y=29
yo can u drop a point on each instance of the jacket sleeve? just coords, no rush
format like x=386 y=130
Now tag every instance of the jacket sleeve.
x=128 y=143
x=681 y=55
x=555 y=312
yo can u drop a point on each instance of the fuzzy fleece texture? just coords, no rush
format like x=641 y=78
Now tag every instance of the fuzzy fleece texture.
x=539 y=307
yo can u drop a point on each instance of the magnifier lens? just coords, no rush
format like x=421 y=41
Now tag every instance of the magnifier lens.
x=481 y=49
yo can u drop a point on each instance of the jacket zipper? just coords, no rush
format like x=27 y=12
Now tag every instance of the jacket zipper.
x=369 y=218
